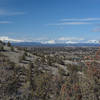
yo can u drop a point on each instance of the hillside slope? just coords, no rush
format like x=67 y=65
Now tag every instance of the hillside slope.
x=49 y=73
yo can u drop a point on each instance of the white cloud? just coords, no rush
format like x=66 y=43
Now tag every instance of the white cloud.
x=5 y=22
x=71 y=42
x=81 y=19
x=66 y=40
x=70 y=23
x=49 y=42
x=5 y=38
x=92 y=41
x=75 y=21
x=70 y=39
x=10 y=13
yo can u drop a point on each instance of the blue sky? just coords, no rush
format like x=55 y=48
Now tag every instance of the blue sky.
x=50 y=21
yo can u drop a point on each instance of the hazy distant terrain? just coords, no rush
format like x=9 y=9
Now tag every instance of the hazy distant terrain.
x=55 y=44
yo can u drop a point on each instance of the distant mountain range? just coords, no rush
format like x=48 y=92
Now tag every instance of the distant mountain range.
x=54 y=45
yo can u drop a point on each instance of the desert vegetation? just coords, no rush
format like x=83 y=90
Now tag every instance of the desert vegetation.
x=49 y=73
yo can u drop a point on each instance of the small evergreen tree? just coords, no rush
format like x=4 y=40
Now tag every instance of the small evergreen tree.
x=12 y=48
x=8 y=44
x=2 y=48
